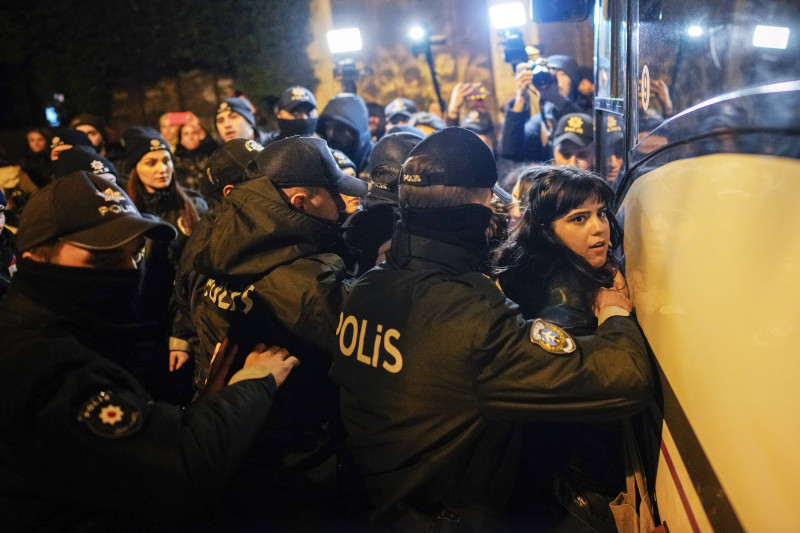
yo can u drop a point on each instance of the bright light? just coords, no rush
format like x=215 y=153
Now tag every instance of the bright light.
x=771 y=37
x=52 y=116
x=416 y=33
x=346 y=40
x=507 y=15
x=695 y=31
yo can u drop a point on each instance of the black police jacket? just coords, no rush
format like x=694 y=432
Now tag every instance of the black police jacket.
x=276 y=275
x=84 y=447
x=435 y=366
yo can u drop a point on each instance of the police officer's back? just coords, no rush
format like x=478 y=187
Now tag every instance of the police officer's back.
x=435 y=364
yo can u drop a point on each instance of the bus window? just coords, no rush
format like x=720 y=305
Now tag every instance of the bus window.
x=706 y=77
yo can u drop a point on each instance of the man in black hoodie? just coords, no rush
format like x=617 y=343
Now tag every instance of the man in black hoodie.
x=277 y=268
x=344 y=124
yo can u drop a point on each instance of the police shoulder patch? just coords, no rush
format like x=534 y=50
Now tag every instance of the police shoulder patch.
x=110 y=416
x=551 y=337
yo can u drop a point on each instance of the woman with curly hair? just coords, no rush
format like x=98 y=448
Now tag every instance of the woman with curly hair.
x=557 y=259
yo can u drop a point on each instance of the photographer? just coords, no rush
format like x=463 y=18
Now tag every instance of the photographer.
x=555 y=82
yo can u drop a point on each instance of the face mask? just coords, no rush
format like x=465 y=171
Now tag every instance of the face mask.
x=302 y=126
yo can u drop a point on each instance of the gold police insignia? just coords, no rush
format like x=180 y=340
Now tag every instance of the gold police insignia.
x=574 y=125
x=551 y=337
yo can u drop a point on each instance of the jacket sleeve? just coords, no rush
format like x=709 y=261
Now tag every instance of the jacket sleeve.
x=307 y=295
x=605 y=376
x=154 y=452
x=520 y=136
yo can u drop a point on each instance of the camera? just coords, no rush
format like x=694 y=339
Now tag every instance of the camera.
x=542 y=79
x=514 y=46
x=348 y=74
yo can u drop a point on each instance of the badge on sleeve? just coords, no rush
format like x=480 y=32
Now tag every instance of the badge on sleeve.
x=551 y=337
x=110 y=416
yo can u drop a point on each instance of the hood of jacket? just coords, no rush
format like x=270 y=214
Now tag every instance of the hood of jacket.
x=256 y=231
x=351 y=110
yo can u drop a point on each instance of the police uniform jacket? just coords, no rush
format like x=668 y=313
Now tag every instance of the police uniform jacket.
x=276 y=275
x=83 y=446
x=435 y=365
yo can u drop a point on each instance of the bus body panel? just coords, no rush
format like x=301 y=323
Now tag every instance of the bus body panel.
x=713 y=265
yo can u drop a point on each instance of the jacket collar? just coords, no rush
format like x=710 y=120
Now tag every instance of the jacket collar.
x=415 y=252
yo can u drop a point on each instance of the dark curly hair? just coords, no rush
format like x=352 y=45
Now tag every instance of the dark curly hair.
x=534 y=251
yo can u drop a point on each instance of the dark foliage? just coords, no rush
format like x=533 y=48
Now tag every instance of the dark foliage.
x=84 y=49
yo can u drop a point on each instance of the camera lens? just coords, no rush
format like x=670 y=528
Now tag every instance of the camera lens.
x=542 y=79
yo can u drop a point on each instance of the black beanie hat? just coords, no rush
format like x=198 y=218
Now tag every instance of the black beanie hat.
x=92 y=120
x=139 y=140
x=71 y=137
x=239 y=105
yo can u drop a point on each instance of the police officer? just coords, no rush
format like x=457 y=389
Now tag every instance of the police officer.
x=84 y=445
x=297 y=114
x=275 y=261
x=435 y=364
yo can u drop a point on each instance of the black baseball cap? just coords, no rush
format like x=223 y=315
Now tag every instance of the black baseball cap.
x=477 y=120
x=399 y=108
x=89 y=212
x=387 y=158
x=295 y=96
x=423 y=118
x=303 y=162
x=228 y=163
x=575 y=127
x=341 y=159
x=83 y=158
x=466 y=159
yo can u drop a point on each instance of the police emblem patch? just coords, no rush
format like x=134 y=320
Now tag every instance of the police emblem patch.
x=110 y=416
x=98 y=167
x=253 y=146
x=551 y=337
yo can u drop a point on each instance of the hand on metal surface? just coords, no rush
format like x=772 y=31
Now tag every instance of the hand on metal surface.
x=616 y=296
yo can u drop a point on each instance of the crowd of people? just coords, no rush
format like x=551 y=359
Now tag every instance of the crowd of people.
x=444 y=355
